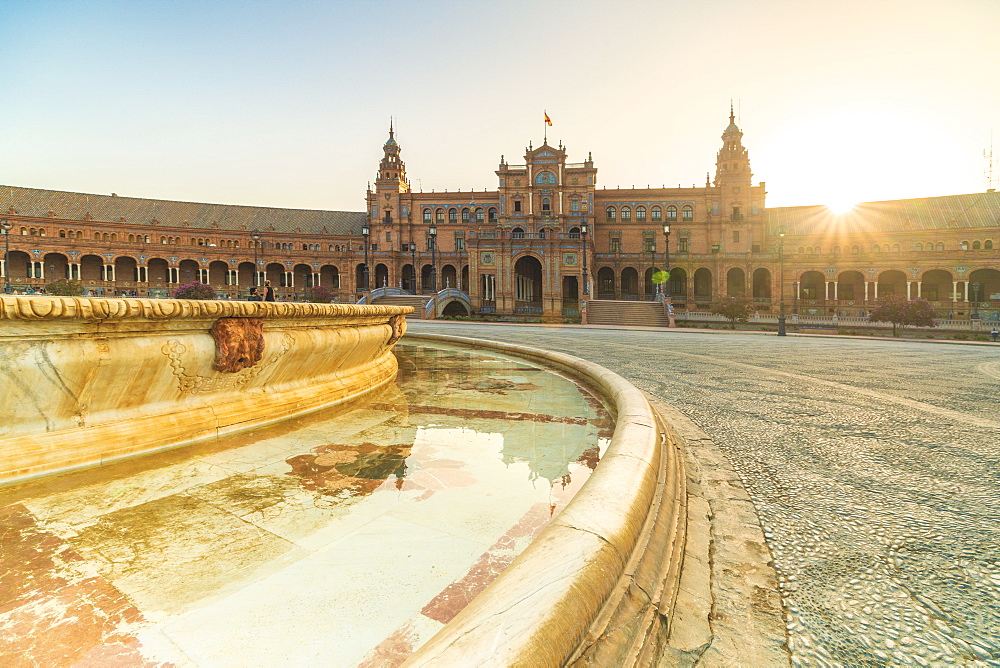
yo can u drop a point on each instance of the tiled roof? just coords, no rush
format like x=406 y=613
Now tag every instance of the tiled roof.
x=141 y=212
x=977 y=210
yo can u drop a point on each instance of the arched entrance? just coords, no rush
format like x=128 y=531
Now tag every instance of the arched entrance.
x=891 y=282
x=649 y=287
x=736 y=282
x=359 y=277
x=703 y=285
x=275 y=273
x=570 y=295
x=56 y=267
x=187 y=271
x=217 y=271
x=329 y=276
x=851 y=292
x=464 y=285
x=527 y=285
x=91 y=269
x=381 y=275
x=935 y=286
x=426 y=278
x=630 y=283
x=605 y=283
x=678 y=285
x=244 y=274
x=407 y=277
x=762 y=285
x=449 y=277
x=987 y=296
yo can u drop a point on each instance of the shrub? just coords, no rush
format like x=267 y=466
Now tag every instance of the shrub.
x=320 y=294
x=196 y=290
x=65 y=288
x=733 y=309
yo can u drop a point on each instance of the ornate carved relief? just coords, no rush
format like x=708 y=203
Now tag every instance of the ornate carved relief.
x=189 y=383
x=239 y=343
x=398 y=325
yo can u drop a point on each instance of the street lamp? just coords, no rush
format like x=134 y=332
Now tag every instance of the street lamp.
x=781 y=283
x=255 y=235
x=586 y=283
x=432 y=235
x=365 y=231
x=666 y=260
x=7 y=225
x=975 y=302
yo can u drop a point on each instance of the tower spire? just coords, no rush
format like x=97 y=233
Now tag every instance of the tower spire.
x=732 y=116
x=391 y=133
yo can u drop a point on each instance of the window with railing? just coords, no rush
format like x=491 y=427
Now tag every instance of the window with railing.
x=671 y=214
x=657 y=214
x=616 y=245
x=687 y=214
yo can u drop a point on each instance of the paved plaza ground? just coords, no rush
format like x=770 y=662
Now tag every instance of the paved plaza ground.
x=873 y=466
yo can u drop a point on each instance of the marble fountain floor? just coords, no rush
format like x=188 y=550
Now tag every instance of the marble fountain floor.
x=347 y=537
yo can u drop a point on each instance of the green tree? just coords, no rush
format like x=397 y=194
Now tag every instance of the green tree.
x=733 y=309
x=902 y=312
x=195 y=290
x=65 y=288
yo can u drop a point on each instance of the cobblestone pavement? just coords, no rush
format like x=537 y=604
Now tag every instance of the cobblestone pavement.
x=874 y=467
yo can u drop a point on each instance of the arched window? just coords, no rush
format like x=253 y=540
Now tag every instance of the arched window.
x=895 y=248
x=452 y=215
x=517 y=233
x=479 y=215
x=876 y=248
x=574 y=233
x=964 y=245
x=885 y=249
x=671 y=214
x=609 y=213
x=640 y=214
x=427 y=216
x=545 y=178
x=626 y=214
x=809 y=250
x=918 y=246
x=855 y=250
x=541 y=233
x=687 y=214
x=975 y=245
x=439 y=216
x=546 y=205
x=836 y=250
x=493 y=214
x=988 y=244
x=465 y=215
x=657 y=213
x=802 y=250
x=114 y=236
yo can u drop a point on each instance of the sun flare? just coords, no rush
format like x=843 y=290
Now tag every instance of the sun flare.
x=842 y=206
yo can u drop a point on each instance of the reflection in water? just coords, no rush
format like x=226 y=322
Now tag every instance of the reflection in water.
x=184 y=544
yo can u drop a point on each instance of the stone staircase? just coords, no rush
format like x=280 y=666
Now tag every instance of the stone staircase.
x=610 y=312
x=418 y=302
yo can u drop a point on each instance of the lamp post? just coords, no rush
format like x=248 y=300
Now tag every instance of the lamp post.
x=7 y=225
x=975 y=302
x=255 y=235
x=781 y=283
x=365 y=231
x=666 y=260
x=432 y=236
x=586 y=282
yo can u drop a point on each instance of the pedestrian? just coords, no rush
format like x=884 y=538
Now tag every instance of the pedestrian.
x=995 y=334
x=254 y=297
x=268 y=292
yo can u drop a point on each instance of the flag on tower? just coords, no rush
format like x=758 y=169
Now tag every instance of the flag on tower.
x=548 y=121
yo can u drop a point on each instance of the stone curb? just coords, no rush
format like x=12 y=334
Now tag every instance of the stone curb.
x=586 y=591
x=729 y=609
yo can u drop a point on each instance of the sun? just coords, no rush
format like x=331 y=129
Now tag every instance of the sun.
x=842 y=206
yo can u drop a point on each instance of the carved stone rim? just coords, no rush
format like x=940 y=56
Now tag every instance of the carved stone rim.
x=126 y=308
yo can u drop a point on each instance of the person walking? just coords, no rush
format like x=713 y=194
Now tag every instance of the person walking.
x=268 y=292
x=254 y=297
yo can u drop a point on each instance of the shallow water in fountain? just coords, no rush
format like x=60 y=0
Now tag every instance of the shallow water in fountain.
x=345 y=537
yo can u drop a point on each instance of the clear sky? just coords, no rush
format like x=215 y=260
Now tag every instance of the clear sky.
x=288 y=103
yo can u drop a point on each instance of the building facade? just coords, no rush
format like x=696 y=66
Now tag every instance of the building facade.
x=547 y=238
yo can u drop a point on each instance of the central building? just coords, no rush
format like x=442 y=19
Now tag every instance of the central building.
x=550 y=237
